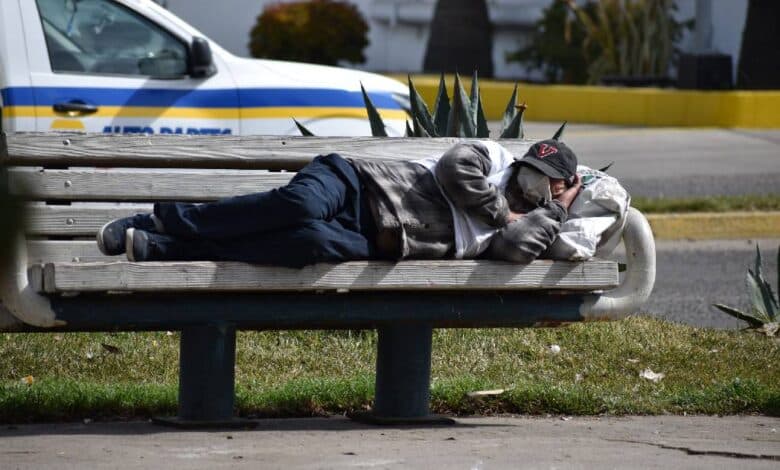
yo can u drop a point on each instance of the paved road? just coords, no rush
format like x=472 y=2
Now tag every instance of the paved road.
x=662 y=442
x=691 y=276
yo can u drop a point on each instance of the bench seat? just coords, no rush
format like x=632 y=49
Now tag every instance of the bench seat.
x=122 y=276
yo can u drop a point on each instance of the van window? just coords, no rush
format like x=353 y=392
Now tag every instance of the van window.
x=101 y=37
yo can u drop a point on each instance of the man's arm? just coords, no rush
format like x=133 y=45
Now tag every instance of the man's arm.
x=462 y=173
x=529 y=235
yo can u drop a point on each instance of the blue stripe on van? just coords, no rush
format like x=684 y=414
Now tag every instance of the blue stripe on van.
x=224 y=98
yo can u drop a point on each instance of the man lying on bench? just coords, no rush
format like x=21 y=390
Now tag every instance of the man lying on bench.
x=475 y=200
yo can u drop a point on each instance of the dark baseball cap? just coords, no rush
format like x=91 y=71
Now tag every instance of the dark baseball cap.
x=552 y=158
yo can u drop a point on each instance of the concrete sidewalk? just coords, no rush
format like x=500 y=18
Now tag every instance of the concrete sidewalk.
x=664 y=442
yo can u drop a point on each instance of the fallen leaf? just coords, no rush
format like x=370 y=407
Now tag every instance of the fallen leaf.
x=770 y=329
x=555 y=349
x=565 y=418
x=652 y=376
x=90 y=355
x=110 y=348
x=578 y=377
x=485 y=393
x=57 y=337
x=632 y=361
x=169 y=333
x=28 y=380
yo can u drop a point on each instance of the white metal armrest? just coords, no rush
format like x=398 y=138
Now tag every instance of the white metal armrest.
x=639 y=277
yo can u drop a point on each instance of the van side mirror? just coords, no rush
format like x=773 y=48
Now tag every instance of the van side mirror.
x=201 y=61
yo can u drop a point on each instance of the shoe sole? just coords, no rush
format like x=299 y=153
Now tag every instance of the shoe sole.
x=101 y=245
x=129 y=244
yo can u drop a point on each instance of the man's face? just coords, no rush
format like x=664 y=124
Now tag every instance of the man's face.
x=557 y=187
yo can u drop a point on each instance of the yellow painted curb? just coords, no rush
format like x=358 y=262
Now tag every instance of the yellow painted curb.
x=713 y=226
x=618 y=105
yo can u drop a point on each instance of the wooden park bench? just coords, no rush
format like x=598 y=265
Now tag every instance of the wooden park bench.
x=60 y=282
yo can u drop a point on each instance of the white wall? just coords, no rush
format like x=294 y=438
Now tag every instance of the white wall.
x=399 y=28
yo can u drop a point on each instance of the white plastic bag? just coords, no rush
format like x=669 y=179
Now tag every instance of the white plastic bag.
x=596 y=218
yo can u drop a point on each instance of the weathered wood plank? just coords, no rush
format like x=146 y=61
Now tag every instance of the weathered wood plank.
x=66 y=251
x=164 y=151
x=357 y=275
x=75 y=220
x=140 y=185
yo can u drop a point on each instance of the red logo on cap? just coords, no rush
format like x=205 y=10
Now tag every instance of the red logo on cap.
x=546 y=150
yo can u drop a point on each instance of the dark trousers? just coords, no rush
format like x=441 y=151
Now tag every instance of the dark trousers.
x=320 y=216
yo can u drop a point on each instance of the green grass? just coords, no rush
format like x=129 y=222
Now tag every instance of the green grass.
x=769 y=202
x=315 y=372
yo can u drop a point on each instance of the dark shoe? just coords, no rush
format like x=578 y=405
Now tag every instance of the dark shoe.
x=111 y=237
x=149 y=246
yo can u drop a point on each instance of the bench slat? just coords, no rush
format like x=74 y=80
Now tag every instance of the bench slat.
x=128 y=185
x=163 y=151
x=72 y=251
x=355 y=275
x=75 y=220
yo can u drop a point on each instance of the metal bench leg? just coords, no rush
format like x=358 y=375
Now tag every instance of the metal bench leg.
x=403 y=377
x=206 y=378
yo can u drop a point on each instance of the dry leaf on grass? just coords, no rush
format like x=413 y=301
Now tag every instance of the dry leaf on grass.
x=28 y=380
x=652 y=376
x=485 y=393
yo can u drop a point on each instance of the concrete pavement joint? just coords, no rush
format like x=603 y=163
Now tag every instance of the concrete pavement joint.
x=690 y=451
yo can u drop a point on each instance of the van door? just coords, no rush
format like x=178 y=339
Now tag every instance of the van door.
x=101 y=66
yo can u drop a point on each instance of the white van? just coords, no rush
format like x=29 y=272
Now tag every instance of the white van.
x=131 y=66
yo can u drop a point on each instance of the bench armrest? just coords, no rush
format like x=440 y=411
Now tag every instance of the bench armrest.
x=20 y=301
x=639 y=277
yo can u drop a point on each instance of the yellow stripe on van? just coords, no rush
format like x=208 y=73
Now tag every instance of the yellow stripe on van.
x=206 y=113
x=67 y=125
x=18 y=111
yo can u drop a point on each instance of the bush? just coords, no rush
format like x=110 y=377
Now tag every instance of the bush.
x=318 y=31
x=556 y=46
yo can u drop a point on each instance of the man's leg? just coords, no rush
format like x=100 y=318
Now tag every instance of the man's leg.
x=317 y=241
x=318 y=192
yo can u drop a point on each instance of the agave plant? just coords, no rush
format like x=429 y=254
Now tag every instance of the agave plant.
x=764 y=311
x=463 y=116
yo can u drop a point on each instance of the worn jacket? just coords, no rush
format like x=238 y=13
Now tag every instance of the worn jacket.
x=413 y=204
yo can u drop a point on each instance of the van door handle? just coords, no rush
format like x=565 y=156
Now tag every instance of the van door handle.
x=75 y=108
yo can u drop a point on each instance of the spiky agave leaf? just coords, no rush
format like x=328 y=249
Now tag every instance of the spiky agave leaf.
x=607 y=166
x=482 y=127
x=377 y=125
x=419 y=129
x=753 y=322
x=304 y=131
x=477 y=114
x=441 y=109
x=559 y=132
x=459 y=124
x=515 y=128
x=510 y=111
x=757 y=301
x=760 y=291
x=420 y=112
